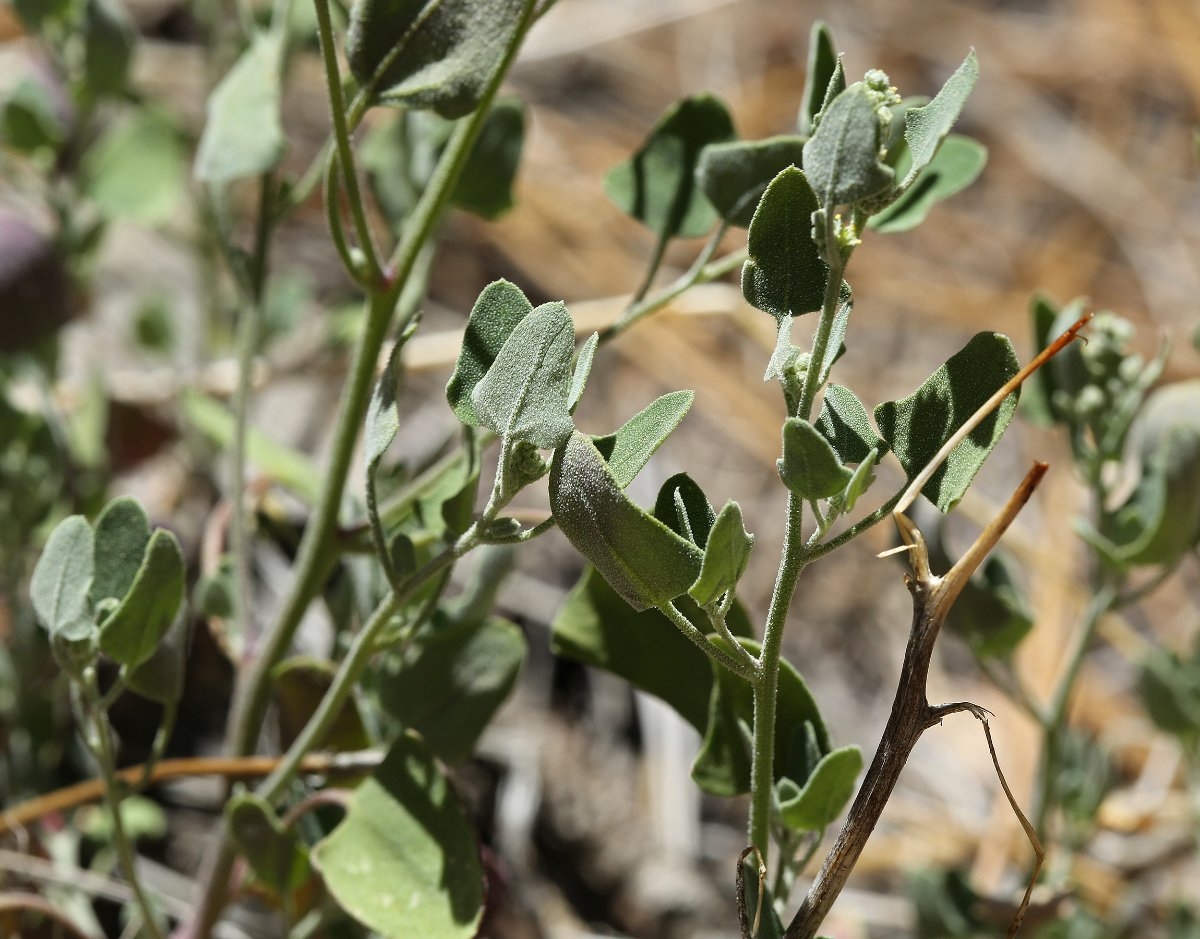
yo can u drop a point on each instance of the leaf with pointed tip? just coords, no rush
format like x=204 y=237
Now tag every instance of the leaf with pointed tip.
x=423 y=54
x=841 y=158
x=816 y=804
x=628 y=449
x=643 y=560
x=135 y=628
x=62 y=579
x=785 y=354
x=810 y=467
x=496 y=313
x=243 y=131
x=405 y=860
x=860 y=482
x=583 y=368
x=734 y=175
x=383 y=416
x=822 y=63
x=121 y=534
x=684 y=508
x=726 y=554
x=844 y=423
x=785 y=274
x=926 y=128
x=485 y=187
x=957 y=164
x=523 y=396
x=657 y=185
x=835 y=348
x=916 y=426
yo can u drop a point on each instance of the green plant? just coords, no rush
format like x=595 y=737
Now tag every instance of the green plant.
x=419 y=675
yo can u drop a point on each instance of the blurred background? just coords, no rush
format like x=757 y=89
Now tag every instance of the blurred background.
x=1089 y=112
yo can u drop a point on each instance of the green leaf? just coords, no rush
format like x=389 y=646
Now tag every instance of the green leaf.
x=810 y=467
x=726 y=554
x=523 y=396
x=842 y=157
x=275 y=854
x=843 y=422
x=109 y=36
x=243 y=132
x=657 y=185
x=596 y=626
x=860 y=482
x=820 y=801
x=629 y=448
x=62 y=579
x=1170 y=690
x=29 y=121
x=383 y=416
x=160 y=678
x=583 y=368
x=916 y=427
x=486 y=183
x=785 y=274
x=133 y=631
x=835 y=348
x=957 y=164
x=723 y=765
x=500 y=307
x=734 y=175
x=449 y=682
x=405 y=861
x=122 y=532
x=684 y=508
x=926 y=127
x=644 y=561
x=823 y=62
x=430 y=54
x=298 y=685
x=990 y=613
x=137 y=169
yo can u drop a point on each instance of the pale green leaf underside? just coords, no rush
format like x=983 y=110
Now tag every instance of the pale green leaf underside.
x=926 y=127
x=62 y=579
x=496 y=313
x=810 y=468
x=841 y=159
x=121 y=534
x=628 y=449
x=819 y=802
x=726 y=554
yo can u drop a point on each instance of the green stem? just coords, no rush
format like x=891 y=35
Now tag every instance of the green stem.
x=815 y=551
x=112 y=799
x=742 y=666
x=1056 y=716
x=344 y=149
x=660 y=250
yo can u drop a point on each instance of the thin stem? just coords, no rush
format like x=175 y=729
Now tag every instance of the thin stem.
x=112 y=799
x=870 y=521
x=660 y=250
x=744 y=667
x=344 y=151
x=717 y=618
x=833 y=291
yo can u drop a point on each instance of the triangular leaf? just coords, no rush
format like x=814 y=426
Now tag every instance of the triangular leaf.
x=916 y=426
x=627 y=449
x=810 y=468
x=726 y=554
x=842 y=158
x=822 y=62
x=835 y=348
x=956 y=165
x=823 y=796
x=437 y=54
x=785 y=274
x=734 y=175
x=657 y=185
x=133 y=631
x=583 y=368
x=926 y=127
x=243 y=132
x=500 y=307
x=383 y=416
x=62 y=579
x=523 y=396
x=644 y=561
x=844 y=424
x=405 y=861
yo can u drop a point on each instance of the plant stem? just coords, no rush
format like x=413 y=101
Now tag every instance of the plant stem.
x=1102 y=602
x=103 y=752
x=660 y=249
x=735 y=663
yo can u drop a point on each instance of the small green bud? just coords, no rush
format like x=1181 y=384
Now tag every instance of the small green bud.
x=527 y=463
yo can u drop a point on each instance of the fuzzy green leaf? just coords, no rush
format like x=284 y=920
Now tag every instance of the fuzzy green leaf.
x=523 y=396
x=957 y=164
x=835 y=348
x=916 y=426
x=785 y=274
x=860 y=482
x=823 y=62
x=684 y=508
x=383 y=415
x=844 y=424
x=627 y=449
x=485 y=186
x=137 y=170
x=405 y=861
x=810 y=467
x=734 y=175
x=644 y=561
x=133 y=631
x=818 y=803
x=62 y=579
x=583 y=368
x=121 y=534
x=657 y=185
x=109 y=36
x=500 y=307
x=842 y=157
x=726 y=554
x=160 y=678
x=275 y=854
x=1169 y=687
x=723 y=765
x=926 y=128
x=430 y=54
x=595 y=626
x=243 y=131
